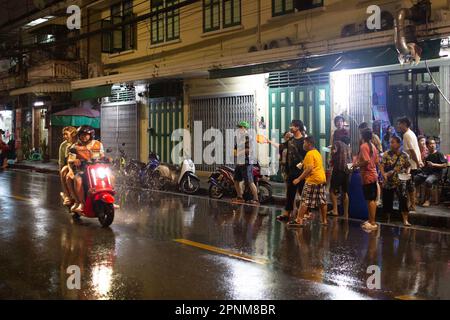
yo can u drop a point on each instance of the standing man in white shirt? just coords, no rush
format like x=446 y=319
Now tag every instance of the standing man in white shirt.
x=411 y=147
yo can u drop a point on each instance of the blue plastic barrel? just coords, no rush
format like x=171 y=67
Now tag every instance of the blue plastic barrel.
x=358 y=206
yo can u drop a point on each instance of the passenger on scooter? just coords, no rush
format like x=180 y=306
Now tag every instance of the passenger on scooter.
x=244 y=172
x=85 y=149
x=69 y=135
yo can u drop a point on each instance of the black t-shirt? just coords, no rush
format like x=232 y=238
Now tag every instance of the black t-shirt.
x=295 y=154
x=437 y=158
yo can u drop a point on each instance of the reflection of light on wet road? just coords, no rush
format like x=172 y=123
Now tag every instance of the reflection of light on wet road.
x=101 y=280
x=247 y=281
x=342 y=293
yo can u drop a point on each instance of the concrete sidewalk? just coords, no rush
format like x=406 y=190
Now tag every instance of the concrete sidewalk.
x=434 y=216
x=37 y=166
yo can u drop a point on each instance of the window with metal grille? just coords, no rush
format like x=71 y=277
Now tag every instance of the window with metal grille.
x=121 y=38
x=293 y=78
x=165 y=26
x=122 y=93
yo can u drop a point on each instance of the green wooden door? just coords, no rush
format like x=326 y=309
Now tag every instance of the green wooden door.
x=311 y=104
x=166 y=115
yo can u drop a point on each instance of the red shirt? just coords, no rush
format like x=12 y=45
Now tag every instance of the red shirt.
x=369 y=172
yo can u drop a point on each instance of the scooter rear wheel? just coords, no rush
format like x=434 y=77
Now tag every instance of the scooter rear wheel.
x=106 y=214
x=216 y=192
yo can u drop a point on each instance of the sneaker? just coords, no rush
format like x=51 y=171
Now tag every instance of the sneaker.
x=426 y=204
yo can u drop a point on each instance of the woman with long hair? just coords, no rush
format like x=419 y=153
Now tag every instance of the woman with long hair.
x=368 y=162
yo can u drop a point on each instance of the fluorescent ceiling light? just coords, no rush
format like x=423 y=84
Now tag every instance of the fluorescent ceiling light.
x=38 y=21
x=38 y=103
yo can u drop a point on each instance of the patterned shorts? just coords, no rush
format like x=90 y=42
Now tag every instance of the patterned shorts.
x=314 y=195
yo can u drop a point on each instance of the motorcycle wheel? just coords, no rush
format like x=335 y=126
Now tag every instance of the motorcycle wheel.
x=156 y=181
x=264 y=192
x=105 y=214
x=189 y=185
x=216 y=192
x=147 y=180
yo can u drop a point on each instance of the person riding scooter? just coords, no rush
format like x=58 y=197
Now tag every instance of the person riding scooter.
x=85 y=149
x=69 y=135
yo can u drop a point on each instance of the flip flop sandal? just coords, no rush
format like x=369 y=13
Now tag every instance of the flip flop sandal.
x=295 y=224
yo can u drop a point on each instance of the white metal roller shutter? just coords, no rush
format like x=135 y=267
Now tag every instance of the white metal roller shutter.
x=221 y=112
x=119 y=124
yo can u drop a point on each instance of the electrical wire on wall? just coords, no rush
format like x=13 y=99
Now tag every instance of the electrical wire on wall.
x=435 y=83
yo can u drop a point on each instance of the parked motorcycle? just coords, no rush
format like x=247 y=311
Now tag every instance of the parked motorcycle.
x=146 y=172
x=126 y=169
x=222 y=183
x=166 y=176
x=99 y=195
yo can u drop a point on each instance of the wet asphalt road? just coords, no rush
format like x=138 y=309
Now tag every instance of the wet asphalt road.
x=168 y=246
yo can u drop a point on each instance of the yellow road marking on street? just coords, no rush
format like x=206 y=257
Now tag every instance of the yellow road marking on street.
x=409 y=298
x=222 y=251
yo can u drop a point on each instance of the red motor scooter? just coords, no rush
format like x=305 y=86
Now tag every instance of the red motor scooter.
x=99 y=192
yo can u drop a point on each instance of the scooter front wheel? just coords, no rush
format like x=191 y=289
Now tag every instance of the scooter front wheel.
x=105 y=214
x=189 y=185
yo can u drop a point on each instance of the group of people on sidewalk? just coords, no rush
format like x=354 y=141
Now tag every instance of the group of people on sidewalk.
x=387 y=170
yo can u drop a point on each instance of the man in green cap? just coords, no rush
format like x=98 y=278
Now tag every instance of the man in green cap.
x=244 y=169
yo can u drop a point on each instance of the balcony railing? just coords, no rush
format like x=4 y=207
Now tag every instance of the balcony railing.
x=8 y=81
x=56 y=70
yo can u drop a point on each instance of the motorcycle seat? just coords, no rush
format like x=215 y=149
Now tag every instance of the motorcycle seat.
x=173 y=167
x=226 y=168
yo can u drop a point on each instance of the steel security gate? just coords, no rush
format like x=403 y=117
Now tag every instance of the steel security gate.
x=221 y=112
x=166 y=115
x=119 y=124
x=292 y=96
